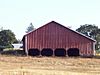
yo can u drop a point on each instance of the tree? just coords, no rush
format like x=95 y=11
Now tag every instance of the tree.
x=1 y=28
x=91 y=31
x=7 y=37
x=18 y=41
x=30 y=28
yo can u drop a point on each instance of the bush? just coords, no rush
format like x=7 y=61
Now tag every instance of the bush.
x=98 y=51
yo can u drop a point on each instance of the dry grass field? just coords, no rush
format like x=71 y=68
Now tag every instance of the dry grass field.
x=13 y=65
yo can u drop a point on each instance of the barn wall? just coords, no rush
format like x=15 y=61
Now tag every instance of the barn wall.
x=56 y=36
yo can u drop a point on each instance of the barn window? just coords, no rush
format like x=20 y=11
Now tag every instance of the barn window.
x=60 y=52
x=73 y=52
x=47 y=52
x=34 y=52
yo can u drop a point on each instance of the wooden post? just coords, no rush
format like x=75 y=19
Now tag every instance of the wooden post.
x=26 y=50
x=94 y=48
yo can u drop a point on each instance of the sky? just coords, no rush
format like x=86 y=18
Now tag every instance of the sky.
x=16 y=15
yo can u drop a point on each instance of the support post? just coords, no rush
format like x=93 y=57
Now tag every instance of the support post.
x=94 y=48
x=26 y=50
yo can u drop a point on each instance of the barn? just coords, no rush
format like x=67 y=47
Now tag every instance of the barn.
x=54 y=39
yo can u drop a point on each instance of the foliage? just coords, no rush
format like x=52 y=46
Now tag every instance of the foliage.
x=91 y=31
x=18 y=41
x=30 y=28
x=7 y=37
x=1 y=28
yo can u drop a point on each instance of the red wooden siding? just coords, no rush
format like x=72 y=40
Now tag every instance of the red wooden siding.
x=54 y=35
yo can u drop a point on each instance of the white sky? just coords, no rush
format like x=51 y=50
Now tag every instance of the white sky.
x=16 y=15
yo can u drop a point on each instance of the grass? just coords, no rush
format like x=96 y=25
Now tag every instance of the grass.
x=21 y=65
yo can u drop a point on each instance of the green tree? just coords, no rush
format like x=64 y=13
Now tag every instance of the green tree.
x=91 y=31
x=1 y=28
x=30 y=28
x=7 y=37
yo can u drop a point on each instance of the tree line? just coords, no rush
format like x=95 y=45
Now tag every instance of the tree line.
x=7 y=37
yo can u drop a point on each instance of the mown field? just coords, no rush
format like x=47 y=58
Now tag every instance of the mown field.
x=17 y=65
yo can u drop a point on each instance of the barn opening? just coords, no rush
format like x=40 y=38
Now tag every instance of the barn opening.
x=73 y=52
x=60 y=52
x=47 y=52
x=34 y=52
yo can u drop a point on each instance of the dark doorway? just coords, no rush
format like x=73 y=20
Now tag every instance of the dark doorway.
x=60 y=52
x=73 y=52
x=34 y=52
x=47 y=52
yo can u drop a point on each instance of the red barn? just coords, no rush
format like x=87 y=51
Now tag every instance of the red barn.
x=54 y=39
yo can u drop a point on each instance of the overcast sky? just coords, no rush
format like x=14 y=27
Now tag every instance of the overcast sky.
x=16 y=15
